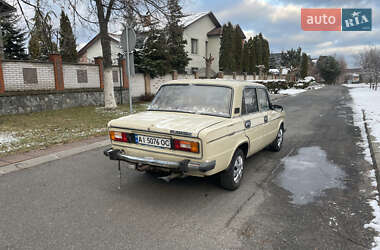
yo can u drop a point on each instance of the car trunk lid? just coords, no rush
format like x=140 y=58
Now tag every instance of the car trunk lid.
x=175 y=123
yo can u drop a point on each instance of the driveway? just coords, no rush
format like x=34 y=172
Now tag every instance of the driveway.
x=311 y=195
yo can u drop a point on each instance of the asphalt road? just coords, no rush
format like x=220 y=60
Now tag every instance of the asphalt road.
x=311 y=195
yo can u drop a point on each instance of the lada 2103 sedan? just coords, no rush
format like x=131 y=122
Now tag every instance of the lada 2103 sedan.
x=199 y=128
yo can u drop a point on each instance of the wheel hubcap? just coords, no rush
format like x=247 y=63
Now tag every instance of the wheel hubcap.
x=238 y=169
x=279 y=138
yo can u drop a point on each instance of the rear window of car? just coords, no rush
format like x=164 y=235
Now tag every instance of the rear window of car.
x=193 y=98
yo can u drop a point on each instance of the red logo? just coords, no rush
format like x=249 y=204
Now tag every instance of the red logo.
x=321 y=19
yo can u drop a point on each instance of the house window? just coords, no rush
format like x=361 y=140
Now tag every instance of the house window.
x=194 y=46
x=82 y=76
x=115 y=76
x=206 y=49
x=30 y=75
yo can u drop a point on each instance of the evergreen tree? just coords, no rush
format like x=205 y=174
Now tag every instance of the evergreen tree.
x=245 y=57
x=13 y=38
x=178 y=57
x=259 y=50
x=40 y=43
x=266 y=54
x=67 y=44
x=237 y=49
x=252 y=56
x=227 y=59
x=304 y=65
x=291 y=58
x=153 y=59
x=329 y=68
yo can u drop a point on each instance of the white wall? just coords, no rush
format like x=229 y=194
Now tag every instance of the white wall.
x=14 y=78
x=214 y=48
x=137 y=84
x=198 y=30
x=156 y=83
x=70 y=76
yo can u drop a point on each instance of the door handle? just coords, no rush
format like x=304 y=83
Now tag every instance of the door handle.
x=266 y=119
x=247 y=124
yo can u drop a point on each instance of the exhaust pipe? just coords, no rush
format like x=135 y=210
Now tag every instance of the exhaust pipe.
x=171 y=177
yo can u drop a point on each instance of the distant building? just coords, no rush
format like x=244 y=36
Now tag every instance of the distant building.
x=202 y=32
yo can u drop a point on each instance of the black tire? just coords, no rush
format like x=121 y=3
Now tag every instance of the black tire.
x=277 y=143
x=230 y=178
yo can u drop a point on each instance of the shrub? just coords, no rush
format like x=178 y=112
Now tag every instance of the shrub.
x=146 y=97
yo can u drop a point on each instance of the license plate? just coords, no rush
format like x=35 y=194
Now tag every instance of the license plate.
x=153 y=141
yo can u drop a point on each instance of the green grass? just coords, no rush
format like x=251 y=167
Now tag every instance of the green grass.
x=24 y=132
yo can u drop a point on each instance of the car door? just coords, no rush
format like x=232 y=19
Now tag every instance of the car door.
x=253 y=120
x=273 y=119
x=264 y=109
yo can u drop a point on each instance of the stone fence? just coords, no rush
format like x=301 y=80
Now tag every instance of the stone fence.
x=28 y=86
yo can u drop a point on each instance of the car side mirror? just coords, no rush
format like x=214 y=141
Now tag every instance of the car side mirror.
x=277 y=107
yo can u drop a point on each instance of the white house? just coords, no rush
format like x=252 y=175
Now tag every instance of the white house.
x=202 y=31
x=94 y=49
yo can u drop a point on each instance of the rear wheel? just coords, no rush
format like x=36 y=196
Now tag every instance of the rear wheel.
x=231 y=178
x=277 y=143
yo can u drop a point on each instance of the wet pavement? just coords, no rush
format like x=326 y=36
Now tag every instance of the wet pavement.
x=308 y=174
x=311 y=195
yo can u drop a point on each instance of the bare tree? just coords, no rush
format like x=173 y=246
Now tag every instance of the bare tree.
x=369 y=60
x=343 y=67
x=101 y=13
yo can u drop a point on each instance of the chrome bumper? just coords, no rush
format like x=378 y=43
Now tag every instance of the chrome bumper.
x=181 y=166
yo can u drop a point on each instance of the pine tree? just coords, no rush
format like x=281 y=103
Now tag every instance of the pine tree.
x=304 y=65
x=227 y=58
x=178 y=57
x=40 y=43
x=153 y=59
x=13 y=38
x=245 y=57
x=252 y=56
x=237 y=49
x=67 y=44
x=266 y=54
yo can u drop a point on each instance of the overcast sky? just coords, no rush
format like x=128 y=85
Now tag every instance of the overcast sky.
x=278 y=20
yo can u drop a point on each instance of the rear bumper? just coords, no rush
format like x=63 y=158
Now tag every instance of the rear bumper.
x=181 y=166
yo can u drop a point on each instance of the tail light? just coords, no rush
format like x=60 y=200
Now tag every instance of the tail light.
x=189 y=146
x=118 y=136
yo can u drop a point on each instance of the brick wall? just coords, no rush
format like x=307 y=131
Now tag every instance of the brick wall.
x=14 y=72
x=70 y=76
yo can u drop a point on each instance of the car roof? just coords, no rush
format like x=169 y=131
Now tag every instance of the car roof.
x=221 y=82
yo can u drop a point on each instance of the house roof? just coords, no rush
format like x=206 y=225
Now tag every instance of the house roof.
x=192 y=18
x=215 y=32
x=218 y=31
x=6 y=8
x=113 y=36
x=186 y=22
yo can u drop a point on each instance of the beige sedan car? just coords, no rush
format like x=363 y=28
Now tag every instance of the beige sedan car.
x=199 y=128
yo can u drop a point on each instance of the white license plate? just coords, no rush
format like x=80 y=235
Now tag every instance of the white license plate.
x=153 y=141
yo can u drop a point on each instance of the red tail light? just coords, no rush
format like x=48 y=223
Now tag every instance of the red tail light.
x=189 y=146
x=118 y=136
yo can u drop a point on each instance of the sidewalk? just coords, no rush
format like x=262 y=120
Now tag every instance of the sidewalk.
x=36 y=157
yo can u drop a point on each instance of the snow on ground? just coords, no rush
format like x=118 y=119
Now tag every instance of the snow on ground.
x=291 y=91
x=368 y=100
x=6 y=138
x=6 y=141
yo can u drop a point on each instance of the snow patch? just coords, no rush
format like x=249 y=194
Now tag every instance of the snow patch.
x=291 y=91
x=368 y=100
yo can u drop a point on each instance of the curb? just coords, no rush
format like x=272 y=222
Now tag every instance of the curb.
x=374 y=149
x=51 y=157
